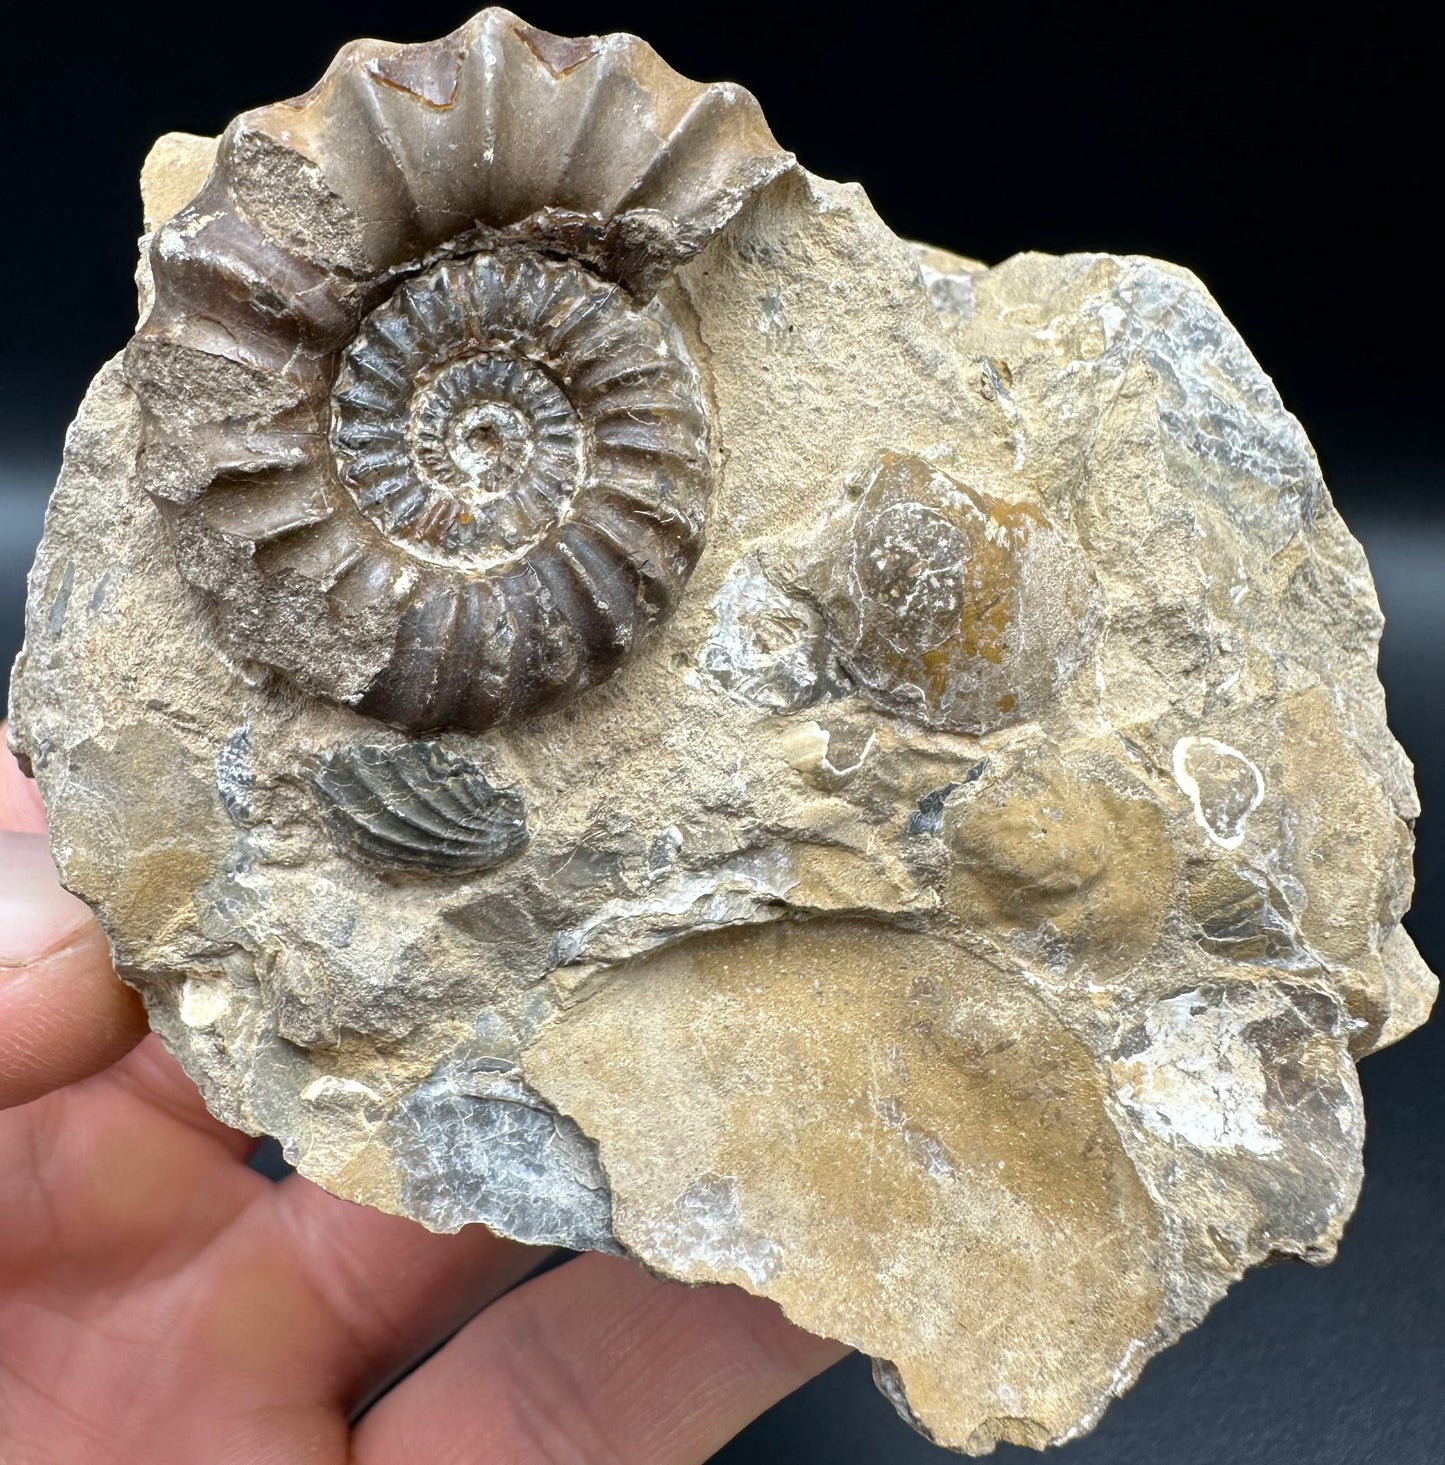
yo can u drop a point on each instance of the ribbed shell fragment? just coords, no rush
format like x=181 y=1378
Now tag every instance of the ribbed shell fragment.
x=416 y=807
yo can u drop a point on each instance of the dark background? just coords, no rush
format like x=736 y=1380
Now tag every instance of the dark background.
x=1294 y=169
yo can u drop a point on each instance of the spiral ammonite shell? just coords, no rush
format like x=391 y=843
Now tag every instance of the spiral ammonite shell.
x=421 y=425
x=539 y=445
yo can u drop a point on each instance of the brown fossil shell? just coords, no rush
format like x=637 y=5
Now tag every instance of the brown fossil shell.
x=419 y=422
x=955 y=608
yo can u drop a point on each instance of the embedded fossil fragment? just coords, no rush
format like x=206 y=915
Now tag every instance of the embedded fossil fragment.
x=954 y=607
x=1065 y=852
x=911 y=827
x=418 y=807
x=518 y=426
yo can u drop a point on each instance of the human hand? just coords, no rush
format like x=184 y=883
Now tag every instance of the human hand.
x=161 y=1302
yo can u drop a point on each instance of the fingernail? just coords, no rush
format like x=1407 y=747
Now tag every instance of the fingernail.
x=37 y=913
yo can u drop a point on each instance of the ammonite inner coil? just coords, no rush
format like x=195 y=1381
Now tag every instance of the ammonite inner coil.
x=540 y=445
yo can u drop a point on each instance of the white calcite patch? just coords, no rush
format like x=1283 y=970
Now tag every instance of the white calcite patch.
x=1199 y=1080
x=1222 y=785
x=708 y=1232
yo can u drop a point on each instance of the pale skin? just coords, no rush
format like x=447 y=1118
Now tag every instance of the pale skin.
x=160 y=1302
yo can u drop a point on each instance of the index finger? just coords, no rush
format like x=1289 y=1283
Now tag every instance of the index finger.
x=64 y=1014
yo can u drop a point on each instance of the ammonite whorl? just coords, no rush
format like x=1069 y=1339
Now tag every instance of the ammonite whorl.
x=419 y=422
x=536 y=448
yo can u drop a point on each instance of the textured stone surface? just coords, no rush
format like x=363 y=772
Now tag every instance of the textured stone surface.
x=956 y=919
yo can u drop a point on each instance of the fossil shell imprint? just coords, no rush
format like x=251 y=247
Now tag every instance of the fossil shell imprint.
x=418 y=807
x=437 y=451
x=961 y=610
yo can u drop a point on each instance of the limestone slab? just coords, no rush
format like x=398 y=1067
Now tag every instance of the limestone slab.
x=597 y=691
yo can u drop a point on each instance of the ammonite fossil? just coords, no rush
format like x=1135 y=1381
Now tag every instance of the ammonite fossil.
x=959 y=609
x=444 y=455
x=540 y=447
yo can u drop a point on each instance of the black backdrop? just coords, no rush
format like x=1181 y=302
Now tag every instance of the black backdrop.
x=1294 y=169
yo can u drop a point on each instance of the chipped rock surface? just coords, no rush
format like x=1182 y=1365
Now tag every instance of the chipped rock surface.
x=942 y=883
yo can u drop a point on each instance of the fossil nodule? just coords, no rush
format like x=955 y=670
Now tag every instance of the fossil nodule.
x=906 y=821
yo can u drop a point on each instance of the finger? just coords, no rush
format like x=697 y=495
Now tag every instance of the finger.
x=151 y=1075
x=595 y=1362
x=64 y=1014
x=394 y=1289
x=98 y=1189
x=20 y=806
x=40 y=913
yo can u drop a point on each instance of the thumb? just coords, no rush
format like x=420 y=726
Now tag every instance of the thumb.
x=64 y=1014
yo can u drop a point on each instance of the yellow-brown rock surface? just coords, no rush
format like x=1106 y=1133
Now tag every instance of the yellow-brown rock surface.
x=894 y=1139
